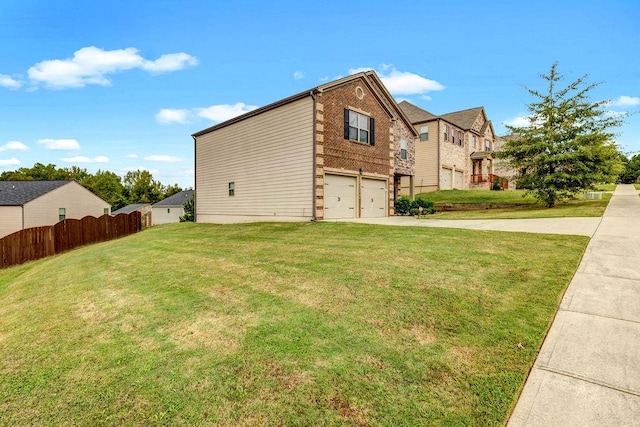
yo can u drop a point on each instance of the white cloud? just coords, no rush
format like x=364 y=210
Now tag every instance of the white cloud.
x=60 y=144
x=84 y=159
x=9 y=82
x=168 y=116
x=223 y=112
x=164 y=158
x=402 y=82
x=131 y=156
x=14 y=145
x=298 y=75
x=91 y=65
x=170 y=62
x=519 y=122
x=625 y=101
x=9 y=162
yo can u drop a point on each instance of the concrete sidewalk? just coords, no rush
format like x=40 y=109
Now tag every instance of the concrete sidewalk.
x=588 y=370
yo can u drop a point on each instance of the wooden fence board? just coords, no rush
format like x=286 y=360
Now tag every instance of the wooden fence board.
x=39 y=242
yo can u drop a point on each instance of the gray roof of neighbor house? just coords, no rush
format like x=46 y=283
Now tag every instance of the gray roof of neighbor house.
x=130 y=208
x=17 y=193
x=177 y=199
x=416 y=114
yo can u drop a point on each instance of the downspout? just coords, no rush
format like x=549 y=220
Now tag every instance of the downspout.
x=313 y=143
x=195 y=219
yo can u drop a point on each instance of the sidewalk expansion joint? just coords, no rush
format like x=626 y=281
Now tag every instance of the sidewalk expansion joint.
x=588 y=380
x=604 y=316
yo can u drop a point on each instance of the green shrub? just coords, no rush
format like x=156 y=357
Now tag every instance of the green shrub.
x=496 y=184
x=422 y=207
x=402 y=205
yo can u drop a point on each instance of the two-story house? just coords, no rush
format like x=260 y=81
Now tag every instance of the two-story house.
x=454 y=150
x=338 y=150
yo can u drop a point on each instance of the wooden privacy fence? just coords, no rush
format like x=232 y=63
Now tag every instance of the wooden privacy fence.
x=39 y=242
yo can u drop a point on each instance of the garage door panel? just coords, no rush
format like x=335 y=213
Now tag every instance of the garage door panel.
x=446 y=178
x=339 y=197
x=459 y=180
x=374 y=198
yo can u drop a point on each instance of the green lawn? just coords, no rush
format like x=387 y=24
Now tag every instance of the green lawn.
x=637 y=186
x=280 y=324
x=524 y=206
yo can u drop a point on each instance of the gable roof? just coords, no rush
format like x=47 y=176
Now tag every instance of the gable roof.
x=130 y=208
x=416 y=114
x=385 y=99
x=17 y=193
x=177 y=199
x=465 y=118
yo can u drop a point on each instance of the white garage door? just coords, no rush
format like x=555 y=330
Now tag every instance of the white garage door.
x=339 y=196
x=373 y=198
x=445 y=179
x=459 y=179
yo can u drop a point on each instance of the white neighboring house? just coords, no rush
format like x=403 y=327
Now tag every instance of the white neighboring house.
x=170 y=209
x=27 y=204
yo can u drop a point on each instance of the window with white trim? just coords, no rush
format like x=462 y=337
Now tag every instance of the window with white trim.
x=359 y=127
x=487 y=145
x=446 y=132
x=424 y=133
x=62 y=214
x=403 y=148
x=475 y=143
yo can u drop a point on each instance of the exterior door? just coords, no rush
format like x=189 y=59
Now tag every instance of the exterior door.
x=373 y=198
x=339 y=197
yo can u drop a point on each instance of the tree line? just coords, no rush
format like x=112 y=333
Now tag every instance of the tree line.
x=136 y=186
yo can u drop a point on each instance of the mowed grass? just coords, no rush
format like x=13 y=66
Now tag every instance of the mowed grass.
x=280 y=324
x=524 y=206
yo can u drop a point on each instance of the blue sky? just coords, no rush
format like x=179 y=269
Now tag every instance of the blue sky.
x=121 y=85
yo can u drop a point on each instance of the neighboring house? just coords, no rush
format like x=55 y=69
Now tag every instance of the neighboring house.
x=338 y=150
x=501 y=167
x=143 y=208
x=171 y=209
x=27 y=204
x=454 y=151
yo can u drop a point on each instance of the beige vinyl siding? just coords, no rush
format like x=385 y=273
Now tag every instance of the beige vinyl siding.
x=426 y=169
x=268 y=157
x=74 y=198
x=10 y=219
x=161 y=216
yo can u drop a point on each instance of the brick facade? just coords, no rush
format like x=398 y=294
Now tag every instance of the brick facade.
x=336 y=154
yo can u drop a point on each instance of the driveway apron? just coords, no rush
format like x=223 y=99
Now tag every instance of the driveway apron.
x=588 y=370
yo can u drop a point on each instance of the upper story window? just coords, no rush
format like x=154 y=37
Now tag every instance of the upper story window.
x=460 y=135
x=359 y=127
x=453 y=136
x=424 y=133
x=232 y=189
x=106 y=211
x=403 y=148
x=446 y=132
x=62 y=214
x=475 y=142
x=487 y=145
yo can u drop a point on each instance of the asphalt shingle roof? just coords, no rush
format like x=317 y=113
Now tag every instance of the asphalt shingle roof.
x=17 y=193
x=177 y=199
x=464 y=119
x=416 y=114
x=130 y=208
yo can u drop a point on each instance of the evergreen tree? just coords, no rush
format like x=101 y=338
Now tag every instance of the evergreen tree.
x=568 y=146
x=189 y=211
